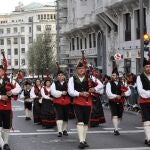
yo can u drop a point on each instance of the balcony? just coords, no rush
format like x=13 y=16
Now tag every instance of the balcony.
x=78 y=53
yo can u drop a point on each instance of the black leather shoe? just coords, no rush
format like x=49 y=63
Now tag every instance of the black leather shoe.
x=86 y=144
x=65 y=133
x=6 y=147
x=81 y=145
x=145 y=142
x=59 y=134
x=148 y=143
x=116 y=132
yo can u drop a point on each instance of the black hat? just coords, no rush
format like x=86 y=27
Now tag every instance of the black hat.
x=27 y=82
x=60 y=72
x=80 y=64
x=115 y=70
x=146 y=62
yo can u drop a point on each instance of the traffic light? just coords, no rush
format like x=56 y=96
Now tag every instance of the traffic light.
x=146 y=39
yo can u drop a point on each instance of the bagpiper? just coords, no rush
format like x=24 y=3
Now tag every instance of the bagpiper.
x=116 y=92
x=143 y=87
x=8 y=88
x=61 y=101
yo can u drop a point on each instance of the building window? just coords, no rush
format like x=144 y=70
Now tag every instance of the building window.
x=22 y=50
x=22 y=29
x=15 y=40
x=54 y=16
x=22 y=40
x=73 y=46
x=30 y=19
x=51 y=16
x=1 y=31
x=127 y=65
x=41 y=17
x=94 y=40
x=127 y=19
x=8 y=51
x=1 y=41
x=80 y=43
x=48 y=16
x=8 y=41
x=16 y=51
x=8 y=30
x=22 y=62
x=85 y=43
x=9 y=62
x=15 y=29
x=38 y=17
x=77 y=43
x=90 y=41
x=30 y=29
x=38 y=28
x=48 y=27
x=16 y=62
x=30 y=40
x=44 y=16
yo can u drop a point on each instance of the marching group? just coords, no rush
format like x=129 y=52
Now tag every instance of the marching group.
x=52 y=101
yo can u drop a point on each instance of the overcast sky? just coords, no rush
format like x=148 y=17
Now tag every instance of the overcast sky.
x=6 y=6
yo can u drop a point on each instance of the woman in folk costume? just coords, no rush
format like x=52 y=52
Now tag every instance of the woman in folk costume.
x=47 y=110
x=25 y=94
x=97 y=114
x=35 y=94
x=143 y=87
x=116 y=92
x=61 y=102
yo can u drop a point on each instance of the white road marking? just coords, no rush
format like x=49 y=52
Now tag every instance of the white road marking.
x=46 y=130
x=111 y=128
x=133 y=148
x=21 y=116
x=16 y=131
x=74 y=132
x=139 y=127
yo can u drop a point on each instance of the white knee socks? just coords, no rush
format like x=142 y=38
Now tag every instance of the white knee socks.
x=80 y=129
x=147 y=129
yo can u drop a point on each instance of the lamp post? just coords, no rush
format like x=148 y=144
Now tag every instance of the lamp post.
x=141 y=34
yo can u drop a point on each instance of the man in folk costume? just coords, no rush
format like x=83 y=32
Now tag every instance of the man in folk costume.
x=143 y=86
x=35 y=94
x=25 y=94
x=116 y=92
x=8 y=88
x=61 y=102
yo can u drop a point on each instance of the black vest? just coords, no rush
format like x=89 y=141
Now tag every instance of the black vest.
x=27 y=93
x=2 y=86
x=145 y=82
x=60 y=87
x=116 y=89
x=80 y=86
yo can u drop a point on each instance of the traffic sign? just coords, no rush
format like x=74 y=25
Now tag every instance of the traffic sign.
x=117 y=56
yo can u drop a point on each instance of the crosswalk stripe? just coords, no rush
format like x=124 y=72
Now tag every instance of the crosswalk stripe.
x=139 y=127
x=74 y=132
x=111 y=128
x=21 y=116
x=132 y=148
x=45 y=130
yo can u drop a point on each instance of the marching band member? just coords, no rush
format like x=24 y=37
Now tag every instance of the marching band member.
x=61 y=102
x=35 y=94
x=97 y=114
x=116 y=95
x=143 y=87
x=79 y=89
x=47 y=110
x=25 y=94
x=6 y=93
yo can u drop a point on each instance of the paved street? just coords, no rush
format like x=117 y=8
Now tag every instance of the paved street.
x=27 y=136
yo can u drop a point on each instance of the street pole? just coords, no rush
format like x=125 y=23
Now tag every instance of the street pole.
x=58 y=31
x=141 y=34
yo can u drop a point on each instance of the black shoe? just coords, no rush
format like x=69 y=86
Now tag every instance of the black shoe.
x=27 y=118
x=145 y=142
x=65 y=133
x=148 y=143
x=86 y=144
x=59 y=134
x=81 y=145
x=116 y=132
x=6 y=147
x=0 y=148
